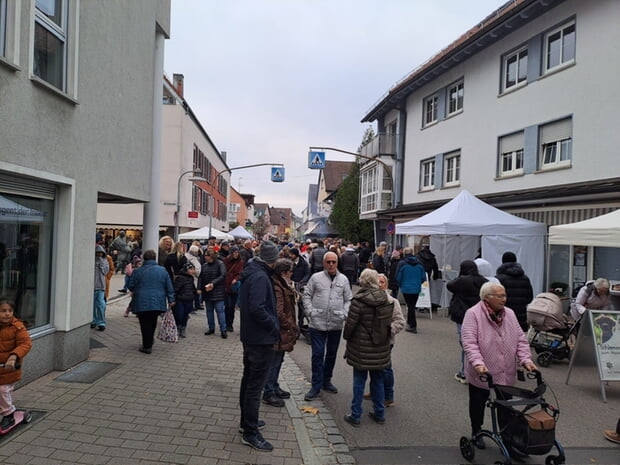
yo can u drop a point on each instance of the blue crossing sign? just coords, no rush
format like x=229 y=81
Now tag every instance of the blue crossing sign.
x=316 y=160
x=277 y=174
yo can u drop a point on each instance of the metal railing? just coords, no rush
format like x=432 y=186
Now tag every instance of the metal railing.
x=381 y=144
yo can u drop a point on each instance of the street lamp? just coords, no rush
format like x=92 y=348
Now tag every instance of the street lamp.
x=195 y=172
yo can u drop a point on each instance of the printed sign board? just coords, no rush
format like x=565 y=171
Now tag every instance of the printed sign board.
x=277 y=174
x=598 y=343
x=424 y=298
x=192 y=214
x=316 y=160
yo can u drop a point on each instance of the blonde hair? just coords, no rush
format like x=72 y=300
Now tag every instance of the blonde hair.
x=162 y=242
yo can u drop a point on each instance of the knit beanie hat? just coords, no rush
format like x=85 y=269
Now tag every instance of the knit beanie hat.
x=509 y=257
x=395 y=254
x=269 y=253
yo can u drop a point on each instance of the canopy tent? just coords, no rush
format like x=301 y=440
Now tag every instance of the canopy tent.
x=602 y=231
x=205 y=233
x=241 y=233
x=466 y=225
x=319 y=227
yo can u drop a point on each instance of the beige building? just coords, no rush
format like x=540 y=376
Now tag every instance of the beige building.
x=80 y=123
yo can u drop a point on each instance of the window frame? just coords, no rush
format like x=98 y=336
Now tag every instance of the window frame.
x=557 y=147
x=424 y=175
x=369 y=189
x=514 y=158
x=518 y=82
x=456 y=170
x=561 y=144
x=547 y=67
x=460 y=83
x=434 y=98
x=60 y=32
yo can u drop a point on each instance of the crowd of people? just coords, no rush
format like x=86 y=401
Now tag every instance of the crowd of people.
x=327 y=290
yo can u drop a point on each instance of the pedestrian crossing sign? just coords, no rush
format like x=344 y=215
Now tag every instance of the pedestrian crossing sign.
x=316 y=160
x=277 y=174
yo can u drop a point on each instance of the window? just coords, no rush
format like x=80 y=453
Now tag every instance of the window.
x=556 y=144
x=511 y=154
x=515 y=69
x=50 y=42
x=452 y=169
x=430 y=110
x=368 y=190
x=560 y=46
x=455 y=98
x=428 y=175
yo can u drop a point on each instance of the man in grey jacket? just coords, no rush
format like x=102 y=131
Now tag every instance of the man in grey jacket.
x=327 y=297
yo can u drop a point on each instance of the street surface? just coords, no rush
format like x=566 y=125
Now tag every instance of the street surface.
x=430 y=411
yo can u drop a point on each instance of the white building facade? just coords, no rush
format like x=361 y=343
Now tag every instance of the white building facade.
x=78 y=126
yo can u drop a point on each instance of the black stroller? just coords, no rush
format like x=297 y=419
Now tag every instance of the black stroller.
x=552 y=331
x=523 y=423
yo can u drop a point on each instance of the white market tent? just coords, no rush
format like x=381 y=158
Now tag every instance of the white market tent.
x=466 y=224
x=204 y=233
x=602 y=231
x=241 y=233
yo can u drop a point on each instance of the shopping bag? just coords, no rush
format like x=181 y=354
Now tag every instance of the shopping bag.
x=168 y=329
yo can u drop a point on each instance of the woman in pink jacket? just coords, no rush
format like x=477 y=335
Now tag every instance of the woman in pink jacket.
x=493 y=342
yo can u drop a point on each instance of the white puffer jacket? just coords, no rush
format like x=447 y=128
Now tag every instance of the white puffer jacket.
x=327 y=301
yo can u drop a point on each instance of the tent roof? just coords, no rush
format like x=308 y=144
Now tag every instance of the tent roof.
x=467 y=215
x=602 y=231
x=241 y=233
x=203 y=233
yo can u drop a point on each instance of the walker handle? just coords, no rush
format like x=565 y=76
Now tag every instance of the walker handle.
x=17 y=365
x=486 y=377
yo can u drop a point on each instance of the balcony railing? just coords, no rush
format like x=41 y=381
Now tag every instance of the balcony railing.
x=382 y=144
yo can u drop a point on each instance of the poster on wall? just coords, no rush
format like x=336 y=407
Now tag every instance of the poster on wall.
x=598 y=343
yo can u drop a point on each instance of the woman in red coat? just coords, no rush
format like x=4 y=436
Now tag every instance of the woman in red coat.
x=286 y=306
x=15 y=343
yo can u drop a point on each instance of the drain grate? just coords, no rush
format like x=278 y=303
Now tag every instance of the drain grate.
x=86 y=372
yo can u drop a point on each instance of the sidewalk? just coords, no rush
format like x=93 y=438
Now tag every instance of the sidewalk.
x=178 y=405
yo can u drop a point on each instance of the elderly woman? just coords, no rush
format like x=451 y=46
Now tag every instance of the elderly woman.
x=152 y=294
x=368 y=334
x=285 y=306
x=592 y=296
x=493 y=342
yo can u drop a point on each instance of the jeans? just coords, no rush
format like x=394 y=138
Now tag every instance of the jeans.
x=411 y=300
x=99 y=308
x=148 y=324
x=229 y=304
x=218 y=306
x=458 y=331
x=376 y=391
x=271 y=385
x=257 y=360
x=181 y=311
x=388 y=382
x=324 y=350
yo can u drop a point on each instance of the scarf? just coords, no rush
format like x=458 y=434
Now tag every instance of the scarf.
x=497 y=317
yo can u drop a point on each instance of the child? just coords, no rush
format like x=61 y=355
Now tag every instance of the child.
x=15 y=343
x=184 y=291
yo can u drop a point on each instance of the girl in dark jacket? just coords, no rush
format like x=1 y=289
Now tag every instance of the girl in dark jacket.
x=465 y=294
x=184 y=291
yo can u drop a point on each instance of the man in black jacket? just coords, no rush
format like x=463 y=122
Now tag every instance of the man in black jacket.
x=316 y=257
x=519 y=290
x=260 y=330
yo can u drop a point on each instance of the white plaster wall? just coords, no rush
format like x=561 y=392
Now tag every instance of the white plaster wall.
x=585 y=90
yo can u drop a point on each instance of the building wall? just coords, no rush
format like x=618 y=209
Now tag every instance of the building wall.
x=581 y=90
x=89 y=142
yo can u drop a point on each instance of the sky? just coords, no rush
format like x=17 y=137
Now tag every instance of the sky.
x=268 y=79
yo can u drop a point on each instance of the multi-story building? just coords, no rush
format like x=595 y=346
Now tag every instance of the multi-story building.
x=330 y=179
x=240 y=208
x=193 y=173
x=518 y=110
x=80 y=123
x=281 y=220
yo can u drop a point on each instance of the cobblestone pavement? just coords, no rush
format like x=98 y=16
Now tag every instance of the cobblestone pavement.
x=178 y=405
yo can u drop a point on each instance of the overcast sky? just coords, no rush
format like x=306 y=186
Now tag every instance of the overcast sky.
x=269 y=78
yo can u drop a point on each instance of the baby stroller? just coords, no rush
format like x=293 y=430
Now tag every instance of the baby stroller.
x=523 y=423
x=551 y=332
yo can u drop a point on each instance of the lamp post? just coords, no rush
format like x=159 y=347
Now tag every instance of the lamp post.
x=178 y=206
x=228 y=170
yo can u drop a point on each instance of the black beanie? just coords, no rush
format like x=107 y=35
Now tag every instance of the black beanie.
x=509 y=257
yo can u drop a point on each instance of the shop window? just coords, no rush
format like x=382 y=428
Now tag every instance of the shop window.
x=25 y=255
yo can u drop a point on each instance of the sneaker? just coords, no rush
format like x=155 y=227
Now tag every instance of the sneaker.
x=478 y=442
x=411 y=329
x=273 y=400
x=93 y=325
x=329 y=387
x=282 y=394
x=7 y=421
x=376 y=418
x=352 y=421
x=460 y=377
x=257 y=442
x=100 y=328
x=612 y=436
x=209 y=332
x=312 y=394
x=388 y=403
x=122 y=291
x=224 y=335
x=367 y=396
x=145 y=350
x=260 y=425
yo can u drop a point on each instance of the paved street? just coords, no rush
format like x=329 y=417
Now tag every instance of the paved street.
x=430 y=412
